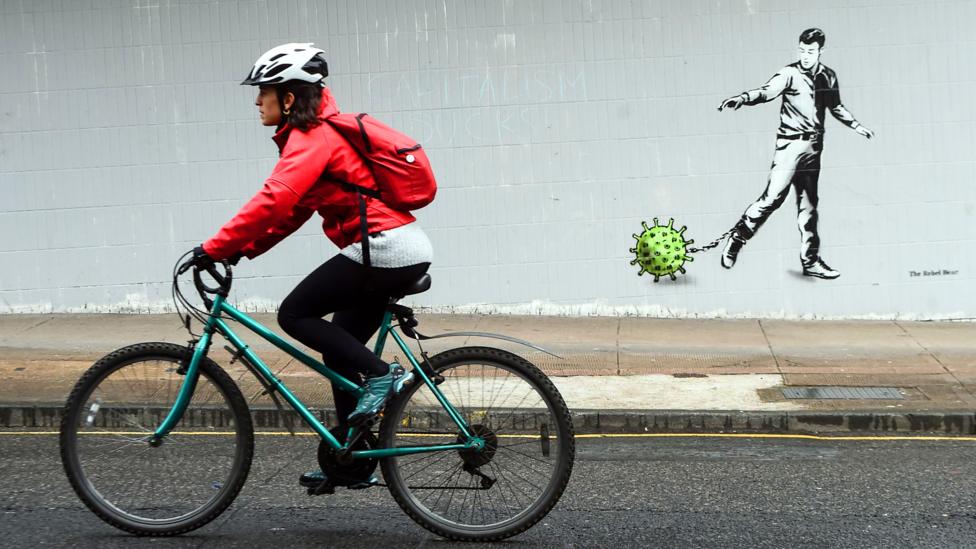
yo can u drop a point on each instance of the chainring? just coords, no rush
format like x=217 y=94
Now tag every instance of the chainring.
x=344 y=470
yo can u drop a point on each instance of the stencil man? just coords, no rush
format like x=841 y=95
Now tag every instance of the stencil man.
x=808 y=88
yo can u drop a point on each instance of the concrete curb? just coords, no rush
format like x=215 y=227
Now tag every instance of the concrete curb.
x=41 y=416
x=683 y=421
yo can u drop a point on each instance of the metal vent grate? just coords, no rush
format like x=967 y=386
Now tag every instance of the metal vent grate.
x=845 y=393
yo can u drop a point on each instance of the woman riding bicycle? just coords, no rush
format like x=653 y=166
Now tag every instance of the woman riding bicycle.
x=315 y=162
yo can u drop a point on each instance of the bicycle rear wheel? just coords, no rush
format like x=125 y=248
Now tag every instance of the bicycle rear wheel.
x=176 y=486
x=503 y=489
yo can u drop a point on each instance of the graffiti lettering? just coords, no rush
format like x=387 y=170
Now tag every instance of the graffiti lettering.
x=480 y=87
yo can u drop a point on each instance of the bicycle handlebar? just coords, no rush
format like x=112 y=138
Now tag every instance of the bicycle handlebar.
x=224 y=281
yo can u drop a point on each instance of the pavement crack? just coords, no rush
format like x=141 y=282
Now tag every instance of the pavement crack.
x=933 y=355
x=619 y=322
x=770 y=347
x=31 y=327
x=477 y=324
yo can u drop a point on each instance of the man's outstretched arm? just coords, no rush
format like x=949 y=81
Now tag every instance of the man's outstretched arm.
x=840 y=112
x=845 y=117
x=769 y=91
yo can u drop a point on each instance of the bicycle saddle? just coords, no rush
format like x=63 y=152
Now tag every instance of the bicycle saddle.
x=419 y=286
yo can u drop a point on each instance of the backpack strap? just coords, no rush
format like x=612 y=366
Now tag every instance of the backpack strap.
x=364 y=227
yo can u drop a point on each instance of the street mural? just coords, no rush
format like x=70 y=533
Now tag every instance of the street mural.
x=809 y=89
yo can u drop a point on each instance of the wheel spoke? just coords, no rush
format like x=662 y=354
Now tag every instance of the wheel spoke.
x=152 y=487
x=496 y=395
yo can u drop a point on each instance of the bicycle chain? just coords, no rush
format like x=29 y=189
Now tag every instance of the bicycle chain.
x=713 y=243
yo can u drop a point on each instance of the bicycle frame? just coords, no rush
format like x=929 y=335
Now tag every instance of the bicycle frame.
x=215 y=323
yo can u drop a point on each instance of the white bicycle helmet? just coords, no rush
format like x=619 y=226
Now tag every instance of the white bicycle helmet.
x=286 y=62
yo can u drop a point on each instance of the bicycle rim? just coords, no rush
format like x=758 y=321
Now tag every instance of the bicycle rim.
x=498 y=492
x=176 y=486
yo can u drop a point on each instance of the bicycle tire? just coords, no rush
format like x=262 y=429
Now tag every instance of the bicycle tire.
x=120 y=409
x=397 y=419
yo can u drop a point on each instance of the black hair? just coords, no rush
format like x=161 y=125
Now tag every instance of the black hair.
x=304 y=112
x=813 y=36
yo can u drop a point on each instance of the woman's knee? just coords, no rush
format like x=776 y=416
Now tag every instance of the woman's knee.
x=287 y=316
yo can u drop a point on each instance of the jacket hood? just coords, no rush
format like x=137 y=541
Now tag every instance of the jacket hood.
x=328 y=107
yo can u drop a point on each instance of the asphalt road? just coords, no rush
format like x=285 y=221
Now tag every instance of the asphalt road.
x=625 y=492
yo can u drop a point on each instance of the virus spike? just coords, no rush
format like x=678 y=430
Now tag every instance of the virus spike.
x=682 y=270
x=689 y=242
x=633 y=261
x=644 y=224
x=683 y=229
x=657 y=277
x=672 y=276
x=633 y=251
x=689 y=258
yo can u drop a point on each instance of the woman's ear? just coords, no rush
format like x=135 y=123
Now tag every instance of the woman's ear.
x=289 y=100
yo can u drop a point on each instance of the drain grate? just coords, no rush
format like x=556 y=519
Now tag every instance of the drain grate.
x=845 y=393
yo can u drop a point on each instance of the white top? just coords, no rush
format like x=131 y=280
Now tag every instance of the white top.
x=400 y=247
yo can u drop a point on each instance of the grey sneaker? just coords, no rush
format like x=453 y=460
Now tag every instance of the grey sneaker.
x=378 y=391
x=820 y=269
x=731 y=251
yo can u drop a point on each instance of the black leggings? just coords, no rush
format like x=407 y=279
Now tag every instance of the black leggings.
x=339 y=286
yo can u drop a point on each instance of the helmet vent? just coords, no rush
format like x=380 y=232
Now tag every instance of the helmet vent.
x=276 y=70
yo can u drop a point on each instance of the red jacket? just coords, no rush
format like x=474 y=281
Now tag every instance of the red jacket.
x=304 y=181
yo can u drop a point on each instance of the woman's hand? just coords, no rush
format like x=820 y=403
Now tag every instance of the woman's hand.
x=201 y=258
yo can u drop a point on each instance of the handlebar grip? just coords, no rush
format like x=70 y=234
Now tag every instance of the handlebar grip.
x=212 y=270
x=201 y=286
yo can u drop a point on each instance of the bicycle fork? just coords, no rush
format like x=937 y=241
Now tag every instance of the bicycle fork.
x=191 y=373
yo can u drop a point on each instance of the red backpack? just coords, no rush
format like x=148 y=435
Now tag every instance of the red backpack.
x=398 y=163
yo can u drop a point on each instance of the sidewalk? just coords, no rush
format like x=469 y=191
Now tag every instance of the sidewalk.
x=616 y=374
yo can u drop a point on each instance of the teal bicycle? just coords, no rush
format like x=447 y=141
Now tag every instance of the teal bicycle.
x=157 y=439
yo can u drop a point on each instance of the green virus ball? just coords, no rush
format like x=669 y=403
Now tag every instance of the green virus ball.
x=661 y=250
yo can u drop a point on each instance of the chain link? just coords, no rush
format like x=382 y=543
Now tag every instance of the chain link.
x=713 y=243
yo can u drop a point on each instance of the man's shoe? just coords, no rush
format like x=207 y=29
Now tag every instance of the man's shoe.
x=820 y=269
x=378 y=391
x=731 y=251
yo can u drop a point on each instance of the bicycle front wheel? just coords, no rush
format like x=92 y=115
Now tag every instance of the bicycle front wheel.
x=165 y=489
x=501 y=490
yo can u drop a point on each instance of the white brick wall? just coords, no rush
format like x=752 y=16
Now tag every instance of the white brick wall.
x=555 y=128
